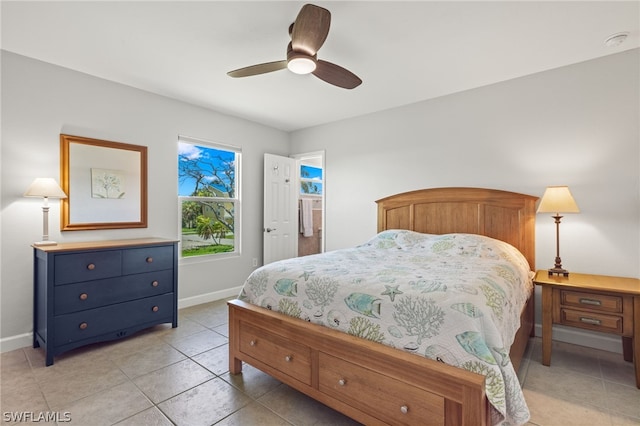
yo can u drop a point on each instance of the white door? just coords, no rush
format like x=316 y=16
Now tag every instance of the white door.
x=280 y=225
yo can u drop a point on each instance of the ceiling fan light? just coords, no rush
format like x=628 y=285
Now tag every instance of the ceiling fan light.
x=301 y=65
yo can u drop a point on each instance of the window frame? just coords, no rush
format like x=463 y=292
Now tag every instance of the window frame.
x=237 y=226
x=310 y=180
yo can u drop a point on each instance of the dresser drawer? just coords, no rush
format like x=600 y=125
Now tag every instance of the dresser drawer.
x=92 y=294
x=289 y=357
x=110 y=319
x=147 y=259
x=592 y=301
x=388 y=399
x=78 y=267
x=592 y=321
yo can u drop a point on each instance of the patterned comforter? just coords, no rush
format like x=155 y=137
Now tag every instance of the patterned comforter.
x=455 y=298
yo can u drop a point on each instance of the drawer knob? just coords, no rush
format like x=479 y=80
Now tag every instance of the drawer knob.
x=83 y=326
x=149 y=259
x=593 y=302
x=288 y=358
x=253 y=343
x=342 y=382
x=91 y=266
x=592 y=321
x=155 y=309
x=84 y=296
x=155 y=284
x=404 y=409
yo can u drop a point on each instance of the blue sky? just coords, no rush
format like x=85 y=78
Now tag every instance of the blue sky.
x=204 y=157
x=313 y=172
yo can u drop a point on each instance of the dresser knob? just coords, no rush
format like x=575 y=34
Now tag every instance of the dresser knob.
x=288 y=358
x=83 y=326
x=84 y=296
x=149 y=259
x=155 y=309
x=91 y=266
x=342 y=382
x=155 y=284
x=404 y=409
x=253 y=343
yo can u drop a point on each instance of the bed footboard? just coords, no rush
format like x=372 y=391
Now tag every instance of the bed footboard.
x=367 y=381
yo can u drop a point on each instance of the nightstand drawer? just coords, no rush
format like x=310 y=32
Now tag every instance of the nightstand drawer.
x=592 y=321
x=591 y=301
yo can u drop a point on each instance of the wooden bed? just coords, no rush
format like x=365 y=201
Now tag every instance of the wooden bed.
x=370 y=382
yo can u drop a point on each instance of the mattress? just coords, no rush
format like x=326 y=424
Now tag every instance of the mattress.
x=454 y=298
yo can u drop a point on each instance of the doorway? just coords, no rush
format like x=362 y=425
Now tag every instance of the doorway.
x=311 y=203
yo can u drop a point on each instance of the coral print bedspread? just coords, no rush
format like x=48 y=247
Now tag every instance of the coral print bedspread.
x=454 y=298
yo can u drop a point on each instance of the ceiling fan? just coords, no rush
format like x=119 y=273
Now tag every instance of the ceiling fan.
x=308 y=33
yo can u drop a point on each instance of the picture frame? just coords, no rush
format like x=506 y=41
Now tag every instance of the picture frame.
x=105 y=183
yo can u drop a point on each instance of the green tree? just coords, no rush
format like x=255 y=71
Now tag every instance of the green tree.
x=190 y=212
x=214 y=177
x=210 y=228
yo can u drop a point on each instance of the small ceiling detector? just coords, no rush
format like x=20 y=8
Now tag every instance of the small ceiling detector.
x=616 y=39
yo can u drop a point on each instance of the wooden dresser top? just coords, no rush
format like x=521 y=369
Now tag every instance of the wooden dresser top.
x=87 y=245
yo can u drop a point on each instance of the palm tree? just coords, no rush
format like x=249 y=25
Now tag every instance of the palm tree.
x=209 y=228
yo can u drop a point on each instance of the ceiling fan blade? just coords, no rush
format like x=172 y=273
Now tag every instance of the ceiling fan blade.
x=336 y=75
x=310 y=29
x=258 y=69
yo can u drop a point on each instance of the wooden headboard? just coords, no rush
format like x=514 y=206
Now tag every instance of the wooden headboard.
x=503 y=215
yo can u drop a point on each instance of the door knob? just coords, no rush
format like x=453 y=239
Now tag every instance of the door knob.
x=269 y=229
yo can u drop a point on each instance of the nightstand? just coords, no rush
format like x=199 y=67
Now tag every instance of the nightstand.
x=593 y=302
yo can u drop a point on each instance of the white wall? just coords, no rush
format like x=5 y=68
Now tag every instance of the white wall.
x=40 y=101
x=575 y=126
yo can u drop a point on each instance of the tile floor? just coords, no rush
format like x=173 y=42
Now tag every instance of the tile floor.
x=166 y=376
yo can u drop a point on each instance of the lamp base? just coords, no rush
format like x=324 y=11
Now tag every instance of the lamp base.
x=558 y=271
x=45 y=243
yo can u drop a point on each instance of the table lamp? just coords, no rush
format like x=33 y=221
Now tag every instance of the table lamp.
x=558 y=199
x=46 y=188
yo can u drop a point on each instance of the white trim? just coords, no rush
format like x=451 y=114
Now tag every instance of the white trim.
x=16 y=342
x=25 y=340
x=193 y=141
x=574 y=336
x=208 y=297
x=605 y=342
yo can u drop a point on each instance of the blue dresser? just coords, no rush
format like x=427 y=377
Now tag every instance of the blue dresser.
x=98 y=291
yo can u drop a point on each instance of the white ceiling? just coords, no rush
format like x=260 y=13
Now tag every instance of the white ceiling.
x=404 y=52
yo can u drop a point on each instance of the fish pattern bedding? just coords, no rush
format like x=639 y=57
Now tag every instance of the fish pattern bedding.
x=454 y=298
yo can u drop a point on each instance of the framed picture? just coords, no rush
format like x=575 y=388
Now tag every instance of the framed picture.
x=105 y=183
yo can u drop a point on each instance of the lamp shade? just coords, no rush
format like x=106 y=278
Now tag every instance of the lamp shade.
x=558 y=199
x=45 y=187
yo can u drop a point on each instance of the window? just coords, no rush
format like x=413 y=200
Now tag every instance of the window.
x=208 y=197
x=310 y=180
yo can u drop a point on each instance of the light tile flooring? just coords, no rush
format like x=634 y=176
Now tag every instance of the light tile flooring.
x=180 y=376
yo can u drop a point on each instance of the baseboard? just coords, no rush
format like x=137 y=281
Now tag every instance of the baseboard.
x=16 y=342
x=209 y=297
x=605 y=342
x=11 y=343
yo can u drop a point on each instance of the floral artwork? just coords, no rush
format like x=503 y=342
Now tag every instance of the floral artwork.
x=107 y=183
